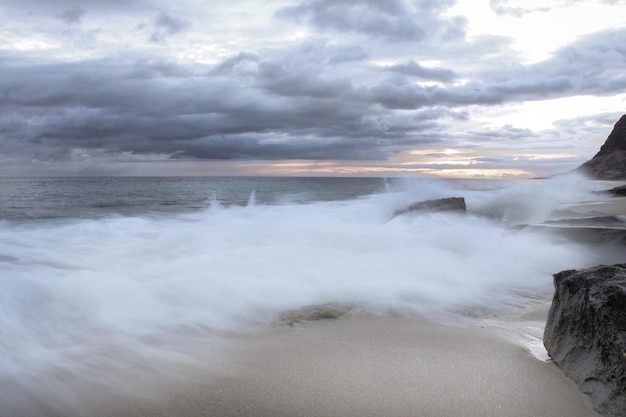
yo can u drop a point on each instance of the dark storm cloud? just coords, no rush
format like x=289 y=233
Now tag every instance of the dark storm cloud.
x=98 y=105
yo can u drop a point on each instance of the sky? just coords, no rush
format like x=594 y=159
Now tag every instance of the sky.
x=466 y=88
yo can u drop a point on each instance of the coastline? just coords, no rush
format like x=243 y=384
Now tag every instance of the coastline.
x=358 y=365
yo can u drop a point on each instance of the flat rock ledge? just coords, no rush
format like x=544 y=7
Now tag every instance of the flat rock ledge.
x=585 y=333
x=328 y=311
x=619 y=191
x=449 y=204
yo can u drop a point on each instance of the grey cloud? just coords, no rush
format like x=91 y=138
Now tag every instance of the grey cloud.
x=534 y=88
x=235 y=109
x=70 y=9
x=322 y=53
x=69 y=3
x=276 y=79
x=517 y=8
x=504 y=7
x=344 y=54
x=101 y=106
x=165 y=26
x=73 y=16
x=505 y=132
x=396 y=20
x=592 y=65
x=596 y=62
x=242 y=63
x=315 y=100
x=386 y=19
x=592 y=129
x=414 y=69
x=399 y=94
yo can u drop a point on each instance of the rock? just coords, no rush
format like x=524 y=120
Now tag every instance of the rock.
x=590 y=235
x=610 y=162
x=620 y=191
x=315 y=312
x=585 y=333
x=590 y=221
x=442 y=204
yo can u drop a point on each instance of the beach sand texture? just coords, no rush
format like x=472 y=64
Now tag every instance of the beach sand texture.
x=365 y=366
x=361 y=365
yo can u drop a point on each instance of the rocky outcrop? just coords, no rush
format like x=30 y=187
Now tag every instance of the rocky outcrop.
x=610 y=162
x=315 y=312
x=601 y=230
x=619 y=191
x=454 y=204
x=585 y=333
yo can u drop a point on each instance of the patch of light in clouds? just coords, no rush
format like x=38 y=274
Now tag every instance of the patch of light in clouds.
x=538 y=28
x=541 y=115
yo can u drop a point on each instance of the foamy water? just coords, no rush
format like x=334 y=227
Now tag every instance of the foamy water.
x=74 y=290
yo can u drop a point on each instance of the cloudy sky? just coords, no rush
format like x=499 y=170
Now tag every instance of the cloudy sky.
x=308 y=87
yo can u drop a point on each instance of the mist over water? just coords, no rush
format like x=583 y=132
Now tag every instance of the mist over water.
x=84 y=296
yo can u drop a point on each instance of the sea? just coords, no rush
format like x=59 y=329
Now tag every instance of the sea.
x=98 y=274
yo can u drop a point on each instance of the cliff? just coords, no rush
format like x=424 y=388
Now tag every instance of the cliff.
x=610 y=162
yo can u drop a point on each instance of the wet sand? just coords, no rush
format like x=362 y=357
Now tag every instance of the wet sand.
x=360 y=365
x=365 y=366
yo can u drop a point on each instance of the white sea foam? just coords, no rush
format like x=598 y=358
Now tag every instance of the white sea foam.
x=73 y=289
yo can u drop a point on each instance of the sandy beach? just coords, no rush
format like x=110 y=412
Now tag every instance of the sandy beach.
x=368 y=366
x=357 y=365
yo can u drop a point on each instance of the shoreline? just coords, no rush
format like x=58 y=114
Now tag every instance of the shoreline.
x=356 y=365
x=475 y=364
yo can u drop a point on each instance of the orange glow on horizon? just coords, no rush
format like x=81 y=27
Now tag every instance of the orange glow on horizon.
x=305 y=168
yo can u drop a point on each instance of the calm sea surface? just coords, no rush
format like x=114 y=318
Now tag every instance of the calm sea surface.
x=40 y=198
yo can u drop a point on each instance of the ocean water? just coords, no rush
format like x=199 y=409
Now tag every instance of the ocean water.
x=99 y=274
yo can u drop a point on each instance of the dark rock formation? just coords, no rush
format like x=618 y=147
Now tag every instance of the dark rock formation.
x=619 y=191
x=610 y=162
x=598 y=221
x=591 y=234
x=601 y=230
x=586 y=333
x=442 y=204
x=315 y=312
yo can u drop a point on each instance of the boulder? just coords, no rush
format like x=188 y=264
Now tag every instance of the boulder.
x=454 y=204
x=585 y=333
x=315 y=312
x=610 y=161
